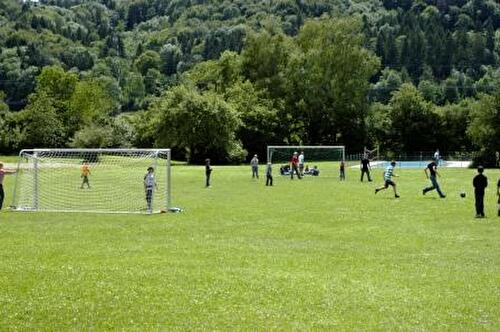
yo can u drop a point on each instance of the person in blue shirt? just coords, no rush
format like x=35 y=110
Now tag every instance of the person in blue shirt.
x=388 y=174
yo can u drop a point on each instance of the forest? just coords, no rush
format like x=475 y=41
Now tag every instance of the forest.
x=226 y=78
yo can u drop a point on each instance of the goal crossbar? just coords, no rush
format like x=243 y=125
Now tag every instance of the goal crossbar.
x=270 y=148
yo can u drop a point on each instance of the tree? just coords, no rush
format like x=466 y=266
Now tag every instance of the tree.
x=58 y=85
x=152 y=81
x=265 y=57
x=389 y=82
x=259 y=119
x=454 y=120
x=89 y=104
x=202 y=125
x=484 y=129
x=41 y=123
x=78 y=57
x=413 y=122
x=333 y=81
x=170 y=55
x=10 y=134
x=146 y=61
x=92 y=136
x=379 y=126
x=430 y=91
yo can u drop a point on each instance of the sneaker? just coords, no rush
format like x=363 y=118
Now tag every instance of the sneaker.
x=396 y=196
x=444 y=196
x=423 y=191
x=376 y=191
x=478 y=216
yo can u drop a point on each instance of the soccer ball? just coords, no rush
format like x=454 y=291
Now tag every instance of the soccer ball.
x=462 y=194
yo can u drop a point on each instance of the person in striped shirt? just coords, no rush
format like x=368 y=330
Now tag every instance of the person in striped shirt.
x=388 y=174
x=149 y=187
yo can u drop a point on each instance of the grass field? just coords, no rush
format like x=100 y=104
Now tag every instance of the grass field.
x=315 y=254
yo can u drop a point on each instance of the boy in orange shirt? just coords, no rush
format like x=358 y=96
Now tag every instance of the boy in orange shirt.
x=85 y=172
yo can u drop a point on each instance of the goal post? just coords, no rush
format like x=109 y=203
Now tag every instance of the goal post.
x=93 y=180
x=326 y=157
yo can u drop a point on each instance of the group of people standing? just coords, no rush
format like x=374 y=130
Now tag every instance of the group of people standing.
x=296 y=168
x=254 y=163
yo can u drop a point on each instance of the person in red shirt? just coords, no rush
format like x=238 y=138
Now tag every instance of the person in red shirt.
x=294 y=165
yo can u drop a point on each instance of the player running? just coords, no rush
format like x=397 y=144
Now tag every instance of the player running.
x=388 y=174
x=432 y=173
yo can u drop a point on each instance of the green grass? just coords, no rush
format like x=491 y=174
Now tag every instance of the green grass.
x=315 y=254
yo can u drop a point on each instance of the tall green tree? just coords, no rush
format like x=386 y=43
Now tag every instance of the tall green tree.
x=89 y=104
x=200 y=124
x=333 y=81
x=484 y=129
x=41 y=122
x=414 y=124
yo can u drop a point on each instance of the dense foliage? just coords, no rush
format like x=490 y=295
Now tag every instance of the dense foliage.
x=219 y=78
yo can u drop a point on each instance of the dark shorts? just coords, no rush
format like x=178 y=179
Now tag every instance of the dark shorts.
x=389 y=183
x=149 y=194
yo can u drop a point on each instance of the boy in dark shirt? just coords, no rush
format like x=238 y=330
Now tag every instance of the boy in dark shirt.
x=342 y=171
x=480 y=183
x=269 y=174
x=432 y=174
x=365 y=168
x=208 y=171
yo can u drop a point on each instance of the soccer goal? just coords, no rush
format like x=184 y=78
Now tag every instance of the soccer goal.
x=325 y=157
x=93 y=180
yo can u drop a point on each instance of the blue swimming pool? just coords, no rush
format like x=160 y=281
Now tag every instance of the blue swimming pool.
x=409 y=164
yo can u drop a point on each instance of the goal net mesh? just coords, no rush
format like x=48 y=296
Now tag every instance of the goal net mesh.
x=104 y=181
x=325 y=158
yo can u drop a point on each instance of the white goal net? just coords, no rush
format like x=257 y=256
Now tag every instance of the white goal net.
x=93 y=180
x=324 y=158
